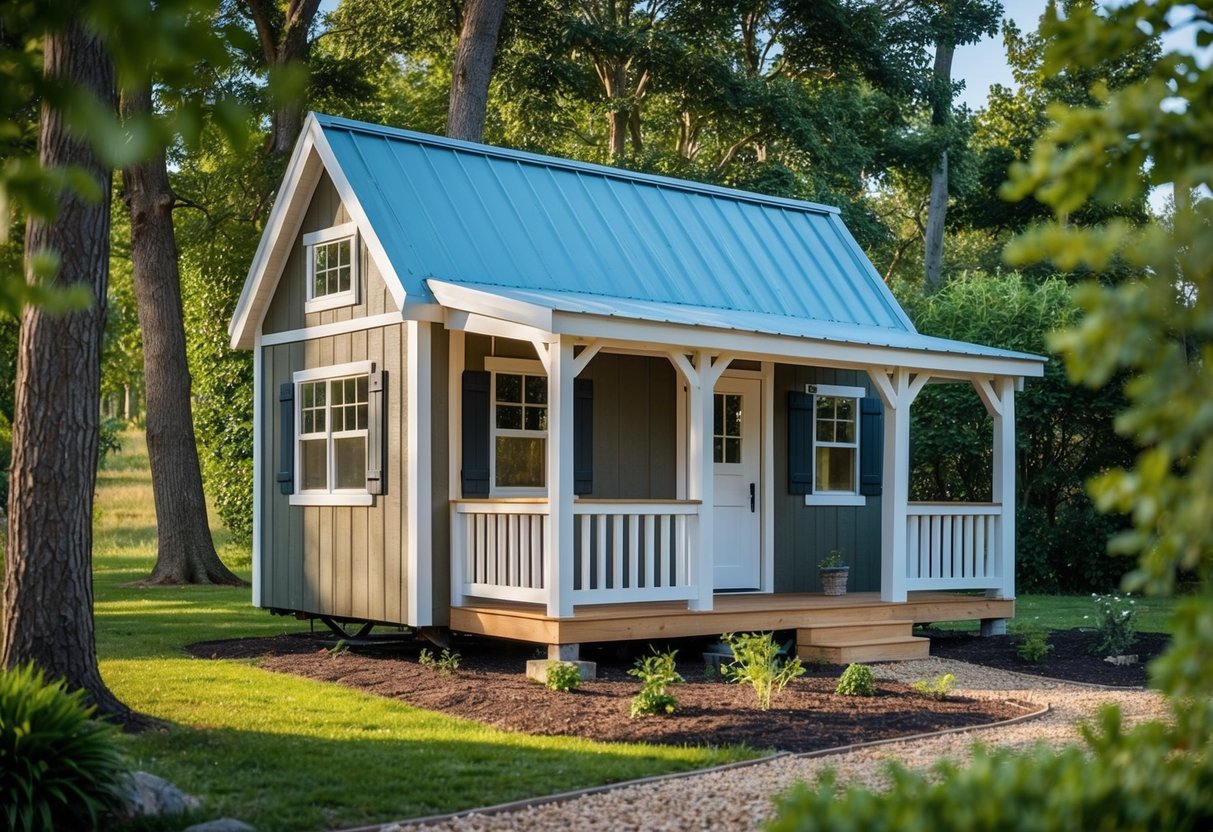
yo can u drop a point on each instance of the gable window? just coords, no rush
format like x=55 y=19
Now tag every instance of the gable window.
x=519 y=426
x=332 y=267
x=835 y=458
x=333 y=427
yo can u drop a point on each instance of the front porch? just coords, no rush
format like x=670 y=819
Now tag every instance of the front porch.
x=836 y=627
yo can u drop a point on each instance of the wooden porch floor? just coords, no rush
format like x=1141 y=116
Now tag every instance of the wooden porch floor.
x=731 y=613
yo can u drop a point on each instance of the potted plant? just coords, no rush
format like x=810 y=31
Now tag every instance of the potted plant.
x=833 y=573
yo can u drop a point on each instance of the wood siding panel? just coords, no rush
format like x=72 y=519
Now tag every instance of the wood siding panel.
x=805 y=534
x=440 y=448
x=394 y=572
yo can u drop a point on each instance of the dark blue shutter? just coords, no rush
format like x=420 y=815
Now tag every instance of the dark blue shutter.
x=800 y=442
x=376 y=433
x=583 y=436
x=475 y=473
x=286 y=438
x=871 y=446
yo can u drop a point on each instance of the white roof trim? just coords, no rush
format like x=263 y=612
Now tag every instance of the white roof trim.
x=312 y=156
x=764 y=335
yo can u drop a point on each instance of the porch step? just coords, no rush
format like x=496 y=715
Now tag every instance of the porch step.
x=874 y=642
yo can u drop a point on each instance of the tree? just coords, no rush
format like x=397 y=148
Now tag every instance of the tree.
x=473 y=68
x=48 y=596
x=284 y=34
x=185 y=552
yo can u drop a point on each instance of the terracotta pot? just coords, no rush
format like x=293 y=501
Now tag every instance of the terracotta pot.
x=834 y=580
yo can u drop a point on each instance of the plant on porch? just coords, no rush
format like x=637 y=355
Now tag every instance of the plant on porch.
x=834 y=573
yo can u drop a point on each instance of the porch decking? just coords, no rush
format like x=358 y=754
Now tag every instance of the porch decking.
x=830 y=626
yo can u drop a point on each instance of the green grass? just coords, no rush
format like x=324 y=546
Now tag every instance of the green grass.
x=286 y=753
x=1069 y=612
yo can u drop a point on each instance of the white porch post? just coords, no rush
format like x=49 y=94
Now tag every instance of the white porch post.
x=700 y=480
x=558 y=569
x=897 y=389
x=1000 y=401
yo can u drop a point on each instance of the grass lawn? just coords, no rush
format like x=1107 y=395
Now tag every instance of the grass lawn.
x=1069 y=612
x=286 y=753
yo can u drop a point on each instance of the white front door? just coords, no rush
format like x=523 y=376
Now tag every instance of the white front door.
x=737 y=455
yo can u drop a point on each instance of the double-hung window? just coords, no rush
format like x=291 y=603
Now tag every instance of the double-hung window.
x=836 y=432
x=332 y=432
x=332 y=267
x=519 y=426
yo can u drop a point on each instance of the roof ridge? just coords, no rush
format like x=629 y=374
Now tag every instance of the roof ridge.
x=337 y=122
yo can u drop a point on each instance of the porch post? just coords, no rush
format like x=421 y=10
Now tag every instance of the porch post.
x=1004 y=486
x=701 y=483
x=558 y=568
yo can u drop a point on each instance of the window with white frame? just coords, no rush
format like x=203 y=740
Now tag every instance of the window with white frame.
x=331 y=446
x=519 y=426
x=332 y=267
x=835 y=444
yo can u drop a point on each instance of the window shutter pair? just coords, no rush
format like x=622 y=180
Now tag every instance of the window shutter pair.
x=376 y=435
x=800 y=444
x=477 y=413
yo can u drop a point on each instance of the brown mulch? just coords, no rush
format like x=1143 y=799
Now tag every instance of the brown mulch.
x=490 y=686
x=1073 y=656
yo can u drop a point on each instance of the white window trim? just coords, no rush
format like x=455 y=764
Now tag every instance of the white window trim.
x=513 y=366
x=344 y=231
x=299 y=497
x=836 y=498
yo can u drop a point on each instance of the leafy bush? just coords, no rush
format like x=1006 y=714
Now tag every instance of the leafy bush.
x=656 y=673
x=1033 y=645
x=58 y=768
x=1116 y=620
x=856 y=680
x=563 y=676
x=756 y=663
x=937 y=688
x=446 y=664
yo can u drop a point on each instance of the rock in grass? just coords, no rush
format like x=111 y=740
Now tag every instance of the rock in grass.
x=148 y=795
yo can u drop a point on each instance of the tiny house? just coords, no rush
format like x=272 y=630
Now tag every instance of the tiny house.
x=544 y=400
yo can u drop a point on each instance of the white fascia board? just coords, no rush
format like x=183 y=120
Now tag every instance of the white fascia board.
x=801 y=350
x=492 y=305
x=294 y=195
x=348 y=198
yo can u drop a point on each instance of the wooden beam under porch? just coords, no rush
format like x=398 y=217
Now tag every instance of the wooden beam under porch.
x=730 y=613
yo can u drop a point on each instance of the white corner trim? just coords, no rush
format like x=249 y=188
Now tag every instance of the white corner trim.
x=309 y=333
x=260 y=452
x=420 y=477
x=767 y=583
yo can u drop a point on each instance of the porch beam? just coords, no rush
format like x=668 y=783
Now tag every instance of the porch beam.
x=1004 y=485
x=558 y=569
x=587 y=355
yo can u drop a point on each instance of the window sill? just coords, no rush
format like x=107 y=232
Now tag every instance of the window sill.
x=322 y=304
x=835 y=500
x=332 y=499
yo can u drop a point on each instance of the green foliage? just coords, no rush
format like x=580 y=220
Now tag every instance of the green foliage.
x=756 y=663
x=1064 y=436
x=938 y=688
x=562 y=676
x=1033 y=645
x=856 y=680
x=59 y=769
x=1116 y=621
x=656 y=673
x=446 y=663
x=831 y=561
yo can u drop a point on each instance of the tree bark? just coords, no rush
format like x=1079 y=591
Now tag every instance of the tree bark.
x=48 y=592
x=185 y=552
x=937 y=210
x=283 y=38
x=473 y=69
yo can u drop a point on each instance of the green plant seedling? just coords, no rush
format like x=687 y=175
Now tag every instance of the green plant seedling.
x=656 y=673
x=562 y=676
x=756 y=663
x=937 y=688
x=856 y=680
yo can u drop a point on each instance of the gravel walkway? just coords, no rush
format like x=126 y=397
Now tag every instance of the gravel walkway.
x=740 y=798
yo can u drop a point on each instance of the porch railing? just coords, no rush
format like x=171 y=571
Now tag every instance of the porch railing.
x=623 y=551
x=953 y=546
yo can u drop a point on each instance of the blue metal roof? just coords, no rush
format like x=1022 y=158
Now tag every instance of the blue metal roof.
x=473 y=214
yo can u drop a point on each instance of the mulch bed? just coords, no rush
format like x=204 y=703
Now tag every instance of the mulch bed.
x=1073 y=656
x=490 y=686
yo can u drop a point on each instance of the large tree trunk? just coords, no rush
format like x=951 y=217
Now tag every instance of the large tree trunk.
x=473 y=69
x=185 y=552
x=937 y=210
x=48 y=590
x=283 y=36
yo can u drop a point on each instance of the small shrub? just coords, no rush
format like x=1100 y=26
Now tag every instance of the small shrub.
x=709 y=670
x=340 y=647
x=109 y=439
x=656 y=673
x=756 y=663
x=446 y=664
x=937 y=688
x=562 y=676
x=856 y=680
x=59 y=769
x=1116 y=621
x=1033 y=645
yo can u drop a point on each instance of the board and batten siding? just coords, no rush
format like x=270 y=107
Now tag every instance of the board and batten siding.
x=285 y=311
x=806 y=534
x=440 y=451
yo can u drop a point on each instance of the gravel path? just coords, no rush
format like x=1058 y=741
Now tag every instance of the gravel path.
x=740 y=798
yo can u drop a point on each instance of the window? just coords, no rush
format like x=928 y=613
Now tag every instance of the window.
x=835 y=445
x=332 y=267
x=726 y=428
x=333 y=429
x=520 y=426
